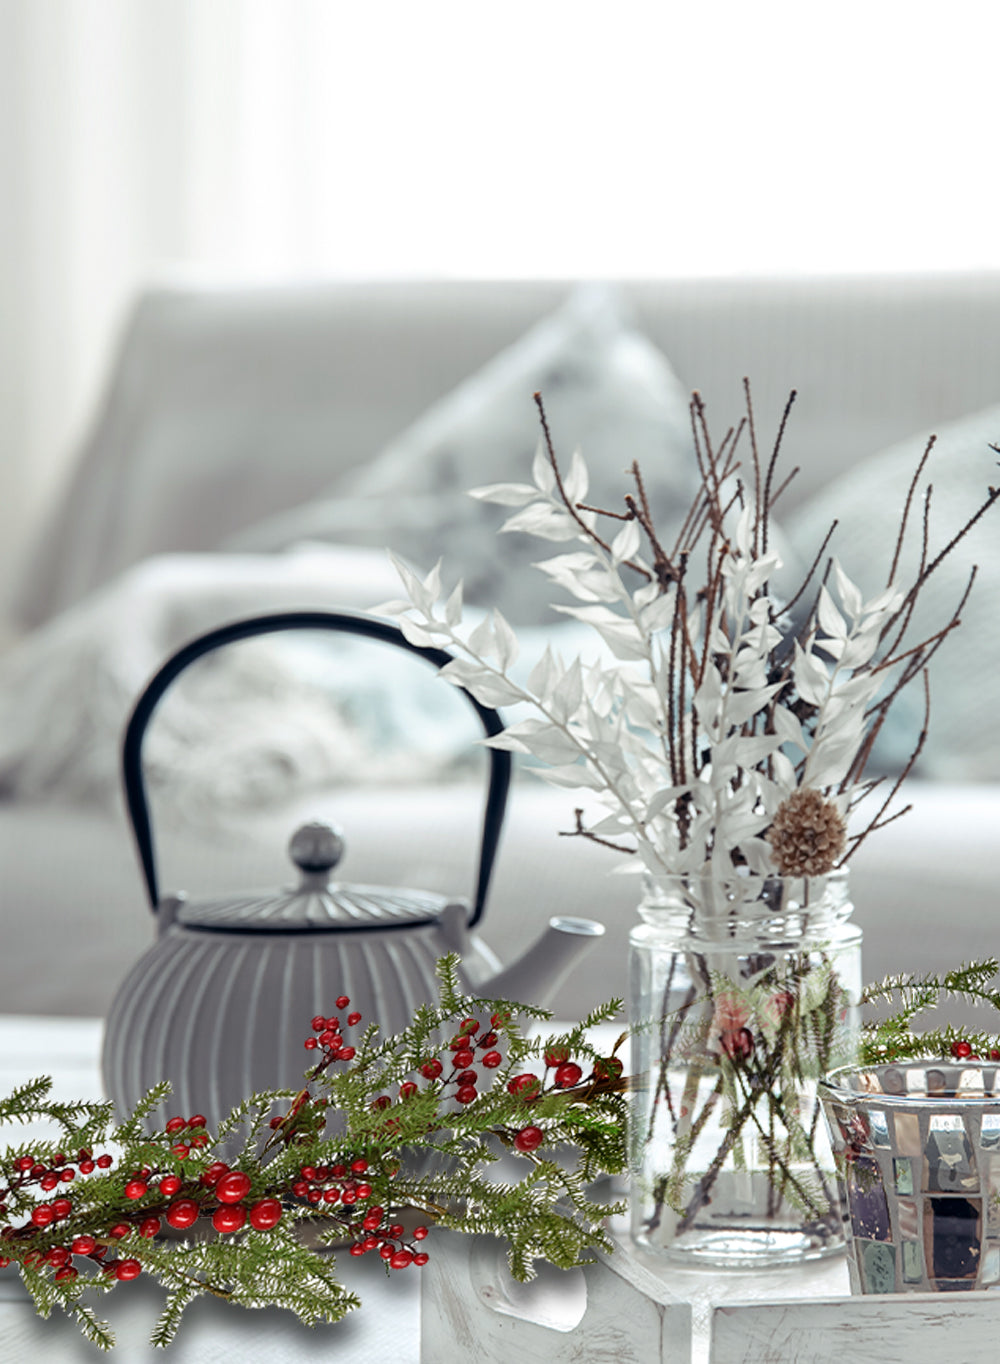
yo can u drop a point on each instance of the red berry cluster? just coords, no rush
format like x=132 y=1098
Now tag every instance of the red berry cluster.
x=565 y=1075
x=962 y=1051
x=330 y=1040
x=63 y=1169
x=376 y=1233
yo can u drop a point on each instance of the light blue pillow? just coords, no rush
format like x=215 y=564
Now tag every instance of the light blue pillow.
x=607 y=390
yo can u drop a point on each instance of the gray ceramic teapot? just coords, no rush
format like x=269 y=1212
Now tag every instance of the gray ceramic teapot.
x=221 y=1003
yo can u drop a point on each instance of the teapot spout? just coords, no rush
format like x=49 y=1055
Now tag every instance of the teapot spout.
x=534 y=977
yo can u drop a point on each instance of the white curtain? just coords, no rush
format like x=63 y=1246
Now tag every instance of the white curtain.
x=537 y=137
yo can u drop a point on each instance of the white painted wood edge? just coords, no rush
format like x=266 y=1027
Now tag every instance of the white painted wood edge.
x=891 y=1328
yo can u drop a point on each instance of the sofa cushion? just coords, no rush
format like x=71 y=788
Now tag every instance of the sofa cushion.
x=606 y=389
x=964 y=739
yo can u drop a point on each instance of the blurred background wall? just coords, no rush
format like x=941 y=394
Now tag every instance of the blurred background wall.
x=266 y=139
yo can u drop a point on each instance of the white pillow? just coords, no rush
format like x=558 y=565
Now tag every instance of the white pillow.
x=606 y=389
x=247 y=725
x=964 y=739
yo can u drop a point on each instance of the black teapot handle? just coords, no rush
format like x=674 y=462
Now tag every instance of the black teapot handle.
x=369 y=626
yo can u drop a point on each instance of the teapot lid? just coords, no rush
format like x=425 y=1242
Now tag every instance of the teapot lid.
x=316 y=904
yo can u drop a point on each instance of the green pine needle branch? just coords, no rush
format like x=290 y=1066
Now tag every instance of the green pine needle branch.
x=393 y=1134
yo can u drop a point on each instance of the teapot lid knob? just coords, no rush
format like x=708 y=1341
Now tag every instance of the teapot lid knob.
x=316 y=847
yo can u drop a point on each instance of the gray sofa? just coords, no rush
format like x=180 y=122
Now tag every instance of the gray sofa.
x=238 y=423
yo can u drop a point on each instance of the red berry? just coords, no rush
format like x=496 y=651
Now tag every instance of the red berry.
x=62 y=1207
x=608 y=1067
x=331 y=1195
x=119 y=1230
x=149 y=1227
x=467 y=1077
x=353 y=1019
x=83 y=1245
x=463 y=1058
x=523 y=1084
x=994 y=1055
x=469 y=1025
x=86 y=1167
x=373 y=1220
x=386 y=1252
x=68 y=1175
x=421 y=1258
x=419 y=1233
x=25 y=1162
x=170 y=1185
x=961 y=1050
x=359 y=1166
x=175 y=1125
x=38 y=1170
x=356 y=1248
x=265 y=1214
x=105 y=1162
x=229 y=1218
x=466 y=1093
x=42 y=1215
x=198 y=1120
x=232 y=1187
x=199 y=1139
x=300 y=1188
x=310 y=1044
x=499 y=1019
x=183 y=1213
x=407 y=1089
x=347 y=1053
x=213 y=1174
x=567 y=1075
x=491 y=1060
x=308 y=1172
x=181 y=1151
x=488 y=1039
x=314 y=1195
x=555 y=1056
x=349 y=1197
x=318 y=1023
x=49 y=1182
x=529 y=1139
x=364 y=1191
x=127 y=1269
x=136 y=1188
x=342 y=1001
x=370 y=1243
x=67 y=1272
x=431 y=1069
x=58 y=1255
x=383 y=1101
x=401 y=1259
x=4 y=1261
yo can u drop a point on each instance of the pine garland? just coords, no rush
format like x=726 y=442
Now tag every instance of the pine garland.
x=894 y=1038
x=384 y=1129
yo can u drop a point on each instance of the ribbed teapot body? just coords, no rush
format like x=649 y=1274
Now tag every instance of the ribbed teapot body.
x=222 y=1015
x=740 y=1003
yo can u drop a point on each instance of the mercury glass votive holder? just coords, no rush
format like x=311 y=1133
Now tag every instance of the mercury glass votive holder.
x=917 y=1152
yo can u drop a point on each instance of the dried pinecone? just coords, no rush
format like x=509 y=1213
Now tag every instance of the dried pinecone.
x=808 y=834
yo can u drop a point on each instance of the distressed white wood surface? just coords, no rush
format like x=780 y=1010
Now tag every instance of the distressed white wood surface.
x=606 y=1313
x=904 y=1328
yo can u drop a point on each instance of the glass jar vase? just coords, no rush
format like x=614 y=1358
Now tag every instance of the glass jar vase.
x=741 y=998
